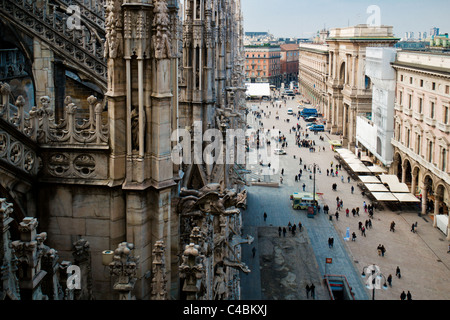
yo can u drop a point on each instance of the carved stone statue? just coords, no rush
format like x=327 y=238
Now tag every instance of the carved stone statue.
x=220 y=288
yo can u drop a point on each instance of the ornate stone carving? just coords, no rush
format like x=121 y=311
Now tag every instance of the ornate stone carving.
x=124 y=267
x=162 y=37
x=159 y=282
x=113 y=22
x=9 y=284
x=191 y=270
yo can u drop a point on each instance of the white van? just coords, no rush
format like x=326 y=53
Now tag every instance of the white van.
x=290 y=111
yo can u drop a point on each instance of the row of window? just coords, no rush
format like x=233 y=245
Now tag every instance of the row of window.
x=271 y=55
x=420 y=107
x=421 y=83
x=417 y=146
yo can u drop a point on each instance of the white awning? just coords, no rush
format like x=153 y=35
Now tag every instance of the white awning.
x=389 y=178
x=369 y=179
x=398 y=187
x=406 y=197
x=258 y=89
x=358 y=168
x=366 y=158
x=343 y=151
x=376 y=187
x=353 y=161
x=376 y=169
x=384 y=196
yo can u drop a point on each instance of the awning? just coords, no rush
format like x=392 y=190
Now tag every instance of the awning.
x=359 y=168
x=389 y=178
x=341 y=151
x=376 y=169
x=398 y=187
x=376 y=187
x=352 y=161
x=369 y=179
x=366 y=158
x=384 y=196
x=406 y=197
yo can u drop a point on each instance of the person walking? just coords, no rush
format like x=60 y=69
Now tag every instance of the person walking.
x=392 y=226
x=347 y=212
x=329 y=242
x=337 y=215
x=389 y=280
x=383 y=250
x=408 y=296
x=363 y=231
x=313 y=292
x=279 y=231
x=265 y=216
x=403 y=296
x=352 y=189
x=254 y=251
x=284 y=232
x=412 y=228
x=353 y=236
x=397 y=272
x=359 y=225
x=300 y=226
x=308 y=289
x=304 y=187
x=379 y=249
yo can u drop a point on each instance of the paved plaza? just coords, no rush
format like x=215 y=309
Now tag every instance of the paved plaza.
x=421 y=256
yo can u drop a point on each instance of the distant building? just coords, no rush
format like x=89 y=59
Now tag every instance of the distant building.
x=263 y=64
x=434 y=32
x=313 y=73
x=289 y=63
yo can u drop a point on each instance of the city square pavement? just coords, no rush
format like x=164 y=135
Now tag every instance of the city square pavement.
x=421 y=256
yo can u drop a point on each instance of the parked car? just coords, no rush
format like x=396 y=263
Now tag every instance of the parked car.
x=279 y=151
x=317 y=127
x=290 y=111
x=310 y=119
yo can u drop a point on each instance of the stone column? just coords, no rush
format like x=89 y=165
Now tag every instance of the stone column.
x=413 y=183
x=424 y=198
x=437 y=204
x=403 y=173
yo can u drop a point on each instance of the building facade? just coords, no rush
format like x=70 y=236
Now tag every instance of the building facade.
x=289 y=63
x=313 y=75
x=98 y=174
x=349 y=89
x=263 y=64
x=422 y=128
x=374 y=133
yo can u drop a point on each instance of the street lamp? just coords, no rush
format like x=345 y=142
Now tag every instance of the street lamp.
x=314 y=185
x=376 y=279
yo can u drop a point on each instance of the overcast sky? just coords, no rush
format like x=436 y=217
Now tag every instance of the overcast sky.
x=302 y=18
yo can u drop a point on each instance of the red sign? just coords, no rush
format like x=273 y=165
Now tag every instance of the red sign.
x=328 y=260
